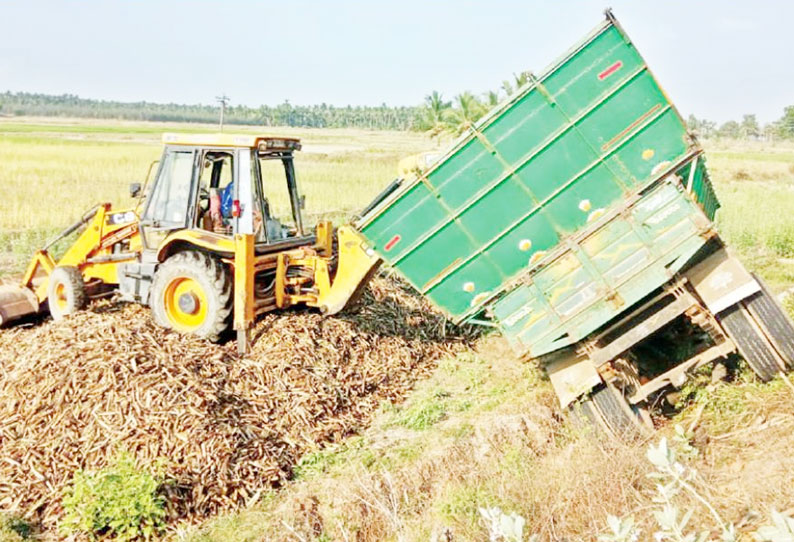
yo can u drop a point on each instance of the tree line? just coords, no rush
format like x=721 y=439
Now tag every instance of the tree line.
x=435 y=116
x=380 y=117
x=747 y=128
x=438 y=116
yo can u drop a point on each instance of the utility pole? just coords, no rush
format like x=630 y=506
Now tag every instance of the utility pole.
x=223 y=99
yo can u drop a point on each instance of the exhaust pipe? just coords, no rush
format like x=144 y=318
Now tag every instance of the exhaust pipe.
x=16 y=302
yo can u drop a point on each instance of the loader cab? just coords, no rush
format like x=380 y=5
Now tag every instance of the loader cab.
x=223 y=185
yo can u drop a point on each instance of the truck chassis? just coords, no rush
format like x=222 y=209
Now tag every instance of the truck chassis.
x=717 y=296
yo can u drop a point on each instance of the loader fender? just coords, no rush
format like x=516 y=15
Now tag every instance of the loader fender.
x=212 y=242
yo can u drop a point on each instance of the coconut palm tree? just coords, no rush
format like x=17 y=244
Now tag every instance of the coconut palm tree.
x=433 y=116
x=492 y=97
x=519 y=80
x=468 y=109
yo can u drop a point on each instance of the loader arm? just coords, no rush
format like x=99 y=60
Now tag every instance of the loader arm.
x=91 y=252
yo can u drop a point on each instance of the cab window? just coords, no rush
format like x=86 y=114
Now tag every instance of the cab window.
x=216 y=191
x=276 y=191
x=168 y=204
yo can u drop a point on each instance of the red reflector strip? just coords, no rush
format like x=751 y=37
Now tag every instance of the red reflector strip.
x=610 y=70
x=393 y=241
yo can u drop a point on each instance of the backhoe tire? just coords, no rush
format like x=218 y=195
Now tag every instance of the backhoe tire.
x=192 y=293
x=65 y=292
x=607 y=409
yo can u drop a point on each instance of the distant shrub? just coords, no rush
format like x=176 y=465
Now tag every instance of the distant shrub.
x=119 y=501
x=781 y=242
x=13 y=529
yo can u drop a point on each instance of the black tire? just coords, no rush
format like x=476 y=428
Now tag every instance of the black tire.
x=65 y=292
x=608 y=410
x=205 y=306
x=752 y=344
x=776 y=323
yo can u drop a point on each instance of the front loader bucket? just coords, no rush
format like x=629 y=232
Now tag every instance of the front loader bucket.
x=16 y=302
x=356 y=267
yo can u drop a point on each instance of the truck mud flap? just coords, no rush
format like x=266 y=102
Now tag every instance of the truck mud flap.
x=776 y=323
x=752 y=344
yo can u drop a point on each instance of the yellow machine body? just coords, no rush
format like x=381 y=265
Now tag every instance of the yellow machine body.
x=92 y=251
x=326 y=269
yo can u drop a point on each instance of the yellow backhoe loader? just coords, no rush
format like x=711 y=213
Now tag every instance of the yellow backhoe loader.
x=216 y=239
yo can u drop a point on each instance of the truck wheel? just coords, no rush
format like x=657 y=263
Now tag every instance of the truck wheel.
x=608 y=410
x=777 y=325
x=753 y=346
x=192 y=293
x=65 y=292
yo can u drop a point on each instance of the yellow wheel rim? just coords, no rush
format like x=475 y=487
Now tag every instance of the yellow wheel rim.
x=185 y=304
x=60 y=296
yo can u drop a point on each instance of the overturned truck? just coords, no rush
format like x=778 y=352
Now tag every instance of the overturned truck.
x=577 y=218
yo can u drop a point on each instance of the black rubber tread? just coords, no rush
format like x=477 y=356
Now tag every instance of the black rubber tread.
x=608 y=405
x=582 y=414
x=754 y=348
x=776 y=323
x=208 y=271
x=74 y=287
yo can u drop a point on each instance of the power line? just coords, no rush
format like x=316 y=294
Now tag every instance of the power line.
x=223 y=99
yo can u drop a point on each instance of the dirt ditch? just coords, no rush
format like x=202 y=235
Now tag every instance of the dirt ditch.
x=74 y=393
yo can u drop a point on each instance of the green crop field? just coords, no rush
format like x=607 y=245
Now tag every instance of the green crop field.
x=53 y=170
x=755 y=184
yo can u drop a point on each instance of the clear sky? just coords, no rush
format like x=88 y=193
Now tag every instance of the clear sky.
x=718 y=59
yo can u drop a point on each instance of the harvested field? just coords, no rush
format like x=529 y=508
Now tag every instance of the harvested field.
x=74 y=393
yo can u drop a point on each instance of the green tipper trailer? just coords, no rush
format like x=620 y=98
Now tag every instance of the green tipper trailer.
x=577 y=218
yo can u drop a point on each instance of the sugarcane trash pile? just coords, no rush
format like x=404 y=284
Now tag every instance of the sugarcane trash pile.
x=75 y=393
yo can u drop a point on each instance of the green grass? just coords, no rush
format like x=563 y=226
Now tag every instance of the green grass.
x=757 y=216
x=321 y=461
x=14 y=529
x=54 y=170
x=765 y=155
x=423 y=413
